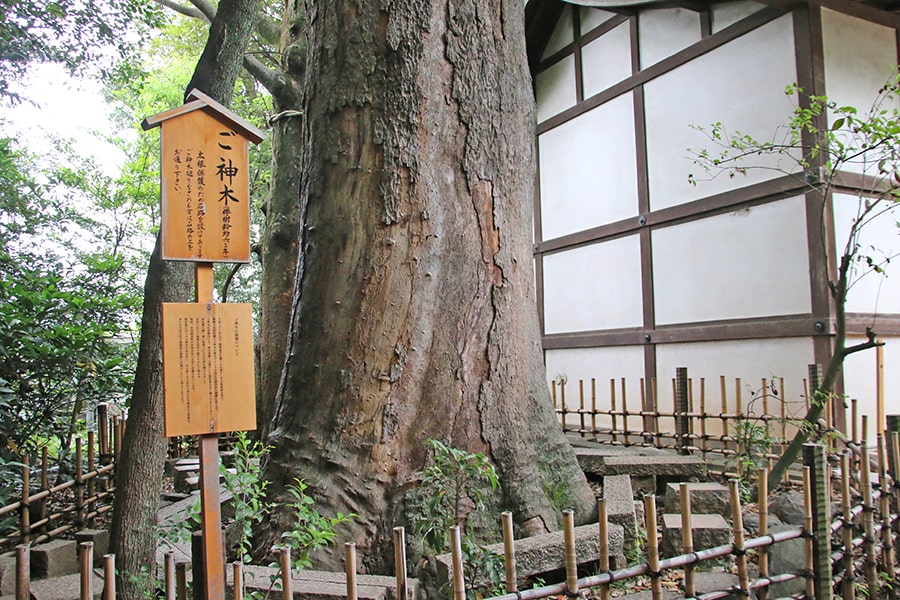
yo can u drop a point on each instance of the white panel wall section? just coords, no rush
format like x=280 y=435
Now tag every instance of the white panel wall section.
x=593 y=17
x=860 y=380
x=607 y=60
x=562 y=34
x=740 y=84
x=749 y=360
x=555 y=89
x=593 y=287
x=588 y=170
x=729 y=13
x=586 y=372
x=879 y=240
x=665 y=31
x=748 y=263
x=860 y=56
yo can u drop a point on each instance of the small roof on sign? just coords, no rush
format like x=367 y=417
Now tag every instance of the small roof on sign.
x=198 y=100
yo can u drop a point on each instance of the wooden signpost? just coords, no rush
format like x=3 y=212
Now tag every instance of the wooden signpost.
x=208 y=379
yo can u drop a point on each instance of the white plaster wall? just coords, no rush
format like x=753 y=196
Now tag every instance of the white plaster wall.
x=748 y=263
x=588 y=170
x=593 y=287
x=749 y=360
x=860 y=382
x=587 y=370
x=729 y=13
x=665 y=31
x=607 y=60
x=555 y=89
x=562 y=35
x=741 y=85
x=879 y=239
x=593 y=17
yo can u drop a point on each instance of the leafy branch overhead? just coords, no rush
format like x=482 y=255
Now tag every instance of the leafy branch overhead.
x=827 y=147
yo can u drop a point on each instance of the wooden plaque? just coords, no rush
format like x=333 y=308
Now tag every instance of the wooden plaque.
x=205 y=190
x=208 y=378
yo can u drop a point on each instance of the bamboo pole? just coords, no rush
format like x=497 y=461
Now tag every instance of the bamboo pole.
x=79 y=481
x=91 y=454
x=848 y=584
x=612 y=405
x=169 y=574
x=581 y=422
x=865 y=483
x=109 y=577
x=703 y=417
x=740 y=551
x=237 y=580
x=400 y=563
x=459 y=582
x=762 y=482
x=85 y=564
x=350 y=569
x=594 y=406
x=723 y=412
x=879 y=388
x=571 y=560
x=654 y=402
x=652 y=546
x=687 y=537
x=626 y=426
x=562 y=402
x=287 y=584
x=509 y=552
x=808 y=527
x=603 y=558
x=26 y=515
x=23 y=572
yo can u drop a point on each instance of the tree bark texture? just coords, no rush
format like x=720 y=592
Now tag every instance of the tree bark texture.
x=139 y=472
x=413 y=310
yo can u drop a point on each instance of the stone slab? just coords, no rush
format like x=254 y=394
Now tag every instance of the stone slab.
x=100 y=538
x=681 y=466
x=707 y=497
x=8 y=574
x=54 y=558
x=326 y=585
x=619 y=498
x=709 y=531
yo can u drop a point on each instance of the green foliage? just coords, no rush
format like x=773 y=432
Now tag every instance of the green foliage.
x=248 y=490
x=453 y=490
x=311 y=530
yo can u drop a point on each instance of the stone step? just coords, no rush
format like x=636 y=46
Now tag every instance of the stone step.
x=619 y=496
x=707 y=497
x=545 y=553
x=709 y=531
x=324 y=585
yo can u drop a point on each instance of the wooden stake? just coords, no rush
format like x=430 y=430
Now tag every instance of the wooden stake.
x=762 y=482
x=287 y=584
x=509 y=552
x=237 y=580
x=848 y=587
x=459 y=582
x=687 y=537
x=86 y=563
x=400 y=563
x=23 y=572
x=109 y=577
x=879 y=388
x=170 y=576
x=602 y=521
x=652 y=546
x=350 y=570
x=571 y=561
x=737 y=521
x=865 y=482
x=181 y=581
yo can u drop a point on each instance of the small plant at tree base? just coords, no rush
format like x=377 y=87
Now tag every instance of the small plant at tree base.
x=311 y=529
x=454 y=491
x=248 y=490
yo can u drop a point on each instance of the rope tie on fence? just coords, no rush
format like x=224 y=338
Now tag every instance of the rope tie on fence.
x=737 y=591
x=738 y=551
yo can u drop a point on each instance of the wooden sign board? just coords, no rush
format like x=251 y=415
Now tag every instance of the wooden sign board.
x=205 y=190
x=208 y=379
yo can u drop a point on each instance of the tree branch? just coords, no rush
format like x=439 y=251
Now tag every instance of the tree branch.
x=188 y=11
x=276 y=82
x=205 y=7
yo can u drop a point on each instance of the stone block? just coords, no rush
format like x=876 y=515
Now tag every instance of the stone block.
x=672 y=465
x=545 y=553
x=707 y=497
x=100 y=538
x=54 y=559
x=709 y=531
x=620 y=504
x=787 y=557
x=708 y=582
x=8 y=574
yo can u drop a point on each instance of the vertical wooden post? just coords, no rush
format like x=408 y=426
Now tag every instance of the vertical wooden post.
x=571 y=560
x=85 y=565
x=45 y=484
x=23 y=572
x=350 y=570
x=562 y=403
x=459 y=582
x=612 y=407
x=594 y=407
x=865 y=483
x=79 y=481
x=181 y=581
x=26 y=492
x=703 y=417
x=879 y=388
x=170 y=576
x=652 y=546
x=400 y=563
x=509 y=552
x=91 y=483
x=581 y=421
x=211 y=513
x=237 y=580
x=603 y=559
x=848 y=584
x=287 y=583
x=893 y=426
x=687 y=537
x=762 y=482
x=682 y=422
x=814 y=458
x=625 y=425
x=737 y=522
x=109 y=577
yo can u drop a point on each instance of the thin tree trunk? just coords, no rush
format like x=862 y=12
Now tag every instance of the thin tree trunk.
x=413 y=313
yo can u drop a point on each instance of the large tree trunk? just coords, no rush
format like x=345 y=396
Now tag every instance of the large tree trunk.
x=414 y=313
